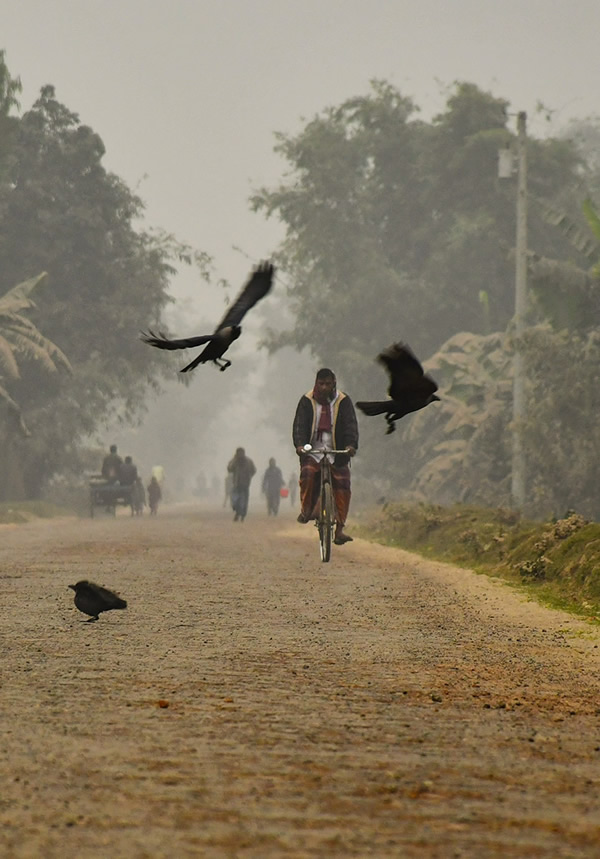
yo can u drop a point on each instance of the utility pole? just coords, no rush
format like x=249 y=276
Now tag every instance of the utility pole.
x=518 y=453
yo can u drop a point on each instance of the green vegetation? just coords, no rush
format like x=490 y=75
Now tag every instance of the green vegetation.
x=557 y=562
x=398 y=228
x=62 y=212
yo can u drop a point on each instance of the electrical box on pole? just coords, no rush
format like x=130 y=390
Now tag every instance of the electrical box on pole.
x=506 y=163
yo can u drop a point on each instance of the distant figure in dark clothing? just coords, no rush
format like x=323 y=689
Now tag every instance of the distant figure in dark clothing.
x=154 y=495
x=111 y=465
x=128 y=473
x=242 y=470
x=93 y=599
x=138 y=497
x=271 y=487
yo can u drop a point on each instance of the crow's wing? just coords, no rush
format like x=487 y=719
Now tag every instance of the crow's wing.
x=406 y=373
x=258 y=285
x=161 y=341
x=110 y=599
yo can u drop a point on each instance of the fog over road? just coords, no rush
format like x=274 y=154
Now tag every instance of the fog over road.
x=254 y=702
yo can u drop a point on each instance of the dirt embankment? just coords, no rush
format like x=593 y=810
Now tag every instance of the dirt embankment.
x=253 y=702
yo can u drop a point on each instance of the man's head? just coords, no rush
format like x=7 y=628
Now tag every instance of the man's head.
x=113 y=448
x=128 y=460
x=325 y=385
x=272 y=462
x=240 y=452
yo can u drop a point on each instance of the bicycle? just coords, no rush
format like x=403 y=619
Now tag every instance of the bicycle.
x=325 y=521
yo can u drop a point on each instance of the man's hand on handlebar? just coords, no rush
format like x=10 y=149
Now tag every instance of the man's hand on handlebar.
x=306 y=448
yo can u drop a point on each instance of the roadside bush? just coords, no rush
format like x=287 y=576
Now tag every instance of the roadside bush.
x=559 y=560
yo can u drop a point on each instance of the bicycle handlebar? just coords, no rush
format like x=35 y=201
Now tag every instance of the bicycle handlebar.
x=308 y=448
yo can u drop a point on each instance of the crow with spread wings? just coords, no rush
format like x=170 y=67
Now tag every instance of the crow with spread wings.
x=410 y=388
x=227 y=330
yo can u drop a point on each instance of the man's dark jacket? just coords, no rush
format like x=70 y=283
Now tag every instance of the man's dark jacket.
x=344 y=426
x=128 y=474
x=243 y=470
x=111 y=466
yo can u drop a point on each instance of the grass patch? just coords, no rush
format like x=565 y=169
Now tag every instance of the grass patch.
x=17 y=512
x=556 y=562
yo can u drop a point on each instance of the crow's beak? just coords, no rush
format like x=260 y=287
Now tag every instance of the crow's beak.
x=72 y=587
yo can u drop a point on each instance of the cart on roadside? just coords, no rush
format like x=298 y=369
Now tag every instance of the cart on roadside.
x=107 y=495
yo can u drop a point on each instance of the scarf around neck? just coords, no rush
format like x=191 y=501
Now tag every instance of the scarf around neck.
x=324 y=424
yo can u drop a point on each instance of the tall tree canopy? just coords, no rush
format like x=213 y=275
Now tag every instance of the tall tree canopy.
x=62 y=212
x=399 y=229
x=397 y=225
x=9 y=89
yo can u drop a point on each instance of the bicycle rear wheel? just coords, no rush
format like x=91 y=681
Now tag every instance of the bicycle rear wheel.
x=326 y=522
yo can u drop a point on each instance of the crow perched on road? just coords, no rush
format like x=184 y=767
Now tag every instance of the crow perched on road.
x=93 y=600
x=410 y=388
x=228 y=329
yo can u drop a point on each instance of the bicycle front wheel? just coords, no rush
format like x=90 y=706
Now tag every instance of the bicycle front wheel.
x=326 y=522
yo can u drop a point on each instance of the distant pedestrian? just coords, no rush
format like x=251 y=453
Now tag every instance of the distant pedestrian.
x=138 y=497
x=271 y=487
x=154 y=495
x=242 y=470
x=159 y=472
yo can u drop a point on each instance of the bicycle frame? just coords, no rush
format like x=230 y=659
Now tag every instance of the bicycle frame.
x=326 y=519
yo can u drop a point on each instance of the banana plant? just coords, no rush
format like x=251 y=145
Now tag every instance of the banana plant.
x=568 y=294
x=593 y=220
x=20 y=341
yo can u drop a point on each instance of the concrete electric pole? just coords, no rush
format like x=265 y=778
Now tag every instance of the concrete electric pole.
x=518 y=453
x=506 y=170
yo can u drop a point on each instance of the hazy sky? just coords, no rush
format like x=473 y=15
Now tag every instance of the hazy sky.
x=187 y=94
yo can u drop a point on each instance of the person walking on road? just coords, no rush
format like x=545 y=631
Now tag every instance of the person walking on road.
x=242 y=470
x=271 y=486
x=154 y=495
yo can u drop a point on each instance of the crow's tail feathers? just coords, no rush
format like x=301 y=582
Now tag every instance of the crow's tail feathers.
x=193 y=364
x=377 y=408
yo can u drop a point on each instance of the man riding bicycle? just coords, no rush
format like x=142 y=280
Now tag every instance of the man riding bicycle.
x=325 y=418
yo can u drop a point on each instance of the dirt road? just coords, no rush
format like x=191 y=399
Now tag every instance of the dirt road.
x=379 y=705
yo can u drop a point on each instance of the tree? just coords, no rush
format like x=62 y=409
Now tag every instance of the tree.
x=461 y=451
x=20 y=344
x=395 y=225
x=21 y=340
x=62 y=212
x=398 y=229
x=9 y=90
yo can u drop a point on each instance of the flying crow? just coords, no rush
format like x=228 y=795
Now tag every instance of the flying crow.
x=228 y=329
x=410 y=388
x=93 y=600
